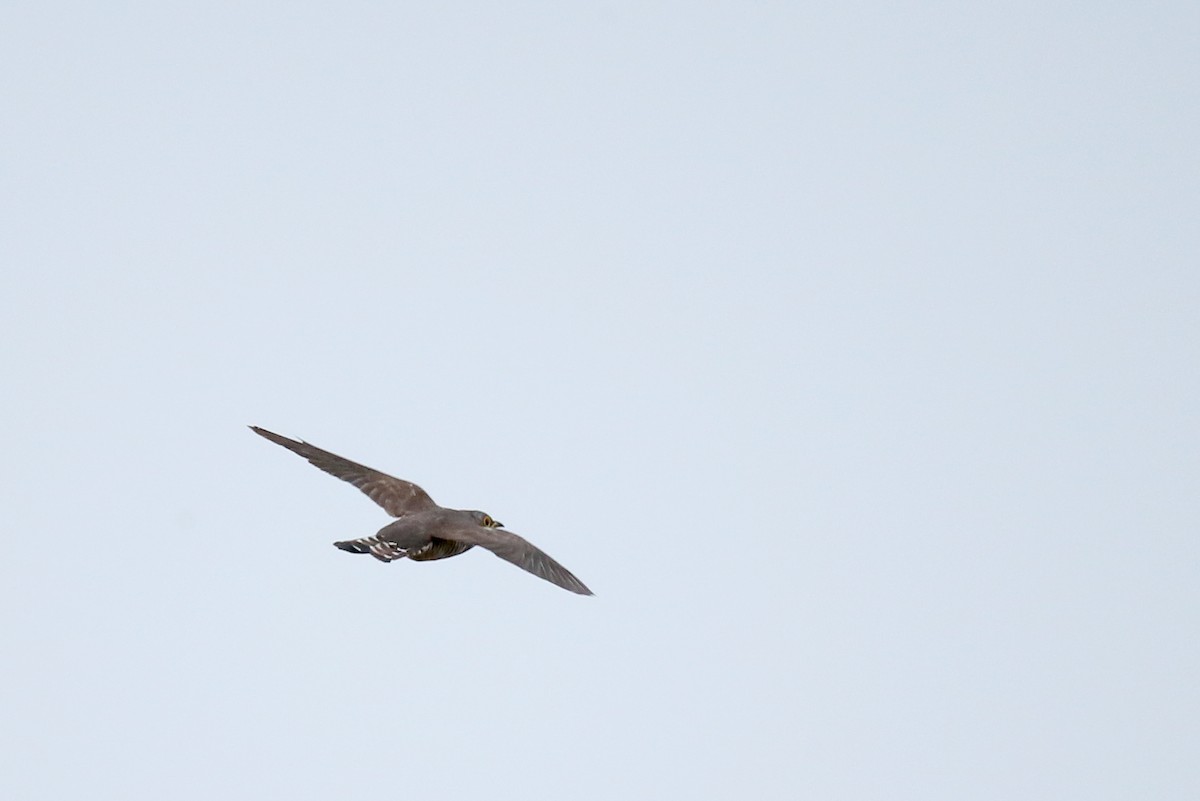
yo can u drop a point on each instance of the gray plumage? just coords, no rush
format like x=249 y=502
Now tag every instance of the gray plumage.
x=423 y=530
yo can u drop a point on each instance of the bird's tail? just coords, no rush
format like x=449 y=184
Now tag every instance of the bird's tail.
x=382 y=550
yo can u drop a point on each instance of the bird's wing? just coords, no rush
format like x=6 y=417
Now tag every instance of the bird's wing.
x=519 y=551
x=396 y=496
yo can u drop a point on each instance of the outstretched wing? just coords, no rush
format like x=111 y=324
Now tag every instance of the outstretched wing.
x=520 y=552
x=396 y=496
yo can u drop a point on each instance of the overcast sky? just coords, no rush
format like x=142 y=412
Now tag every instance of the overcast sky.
x=848 y=352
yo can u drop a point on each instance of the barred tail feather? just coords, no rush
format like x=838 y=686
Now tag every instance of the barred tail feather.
x=382 y=550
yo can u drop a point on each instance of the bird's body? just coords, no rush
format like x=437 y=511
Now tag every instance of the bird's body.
x=424 y=531
x=411 y=535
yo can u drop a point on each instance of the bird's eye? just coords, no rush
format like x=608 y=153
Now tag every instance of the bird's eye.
x=488 y=521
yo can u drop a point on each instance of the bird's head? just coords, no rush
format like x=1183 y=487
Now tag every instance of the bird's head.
x=484 y=519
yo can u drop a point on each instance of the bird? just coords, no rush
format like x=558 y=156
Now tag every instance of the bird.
x=424 y=531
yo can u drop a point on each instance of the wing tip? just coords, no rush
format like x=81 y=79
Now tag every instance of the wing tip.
x=576 y=586
x=280 y=439
x=262 y=432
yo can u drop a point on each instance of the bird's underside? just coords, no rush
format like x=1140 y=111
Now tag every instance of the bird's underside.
x=424 y=531
x=385 y=551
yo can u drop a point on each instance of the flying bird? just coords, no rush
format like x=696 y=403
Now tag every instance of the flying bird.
x=424 y=531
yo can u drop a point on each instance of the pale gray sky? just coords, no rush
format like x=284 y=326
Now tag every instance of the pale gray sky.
x=847 y=351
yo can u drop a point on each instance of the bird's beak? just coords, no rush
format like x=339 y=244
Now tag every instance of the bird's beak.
x=498 y=524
